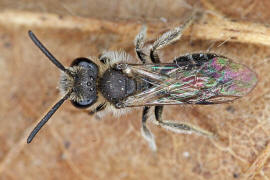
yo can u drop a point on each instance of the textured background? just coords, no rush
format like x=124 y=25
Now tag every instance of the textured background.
x=74 y=145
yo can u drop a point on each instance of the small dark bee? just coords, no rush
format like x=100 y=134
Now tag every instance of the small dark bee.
x=113 y=83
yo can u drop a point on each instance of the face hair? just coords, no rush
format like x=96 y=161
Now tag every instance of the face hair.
x=61 y=101
x=46 y=52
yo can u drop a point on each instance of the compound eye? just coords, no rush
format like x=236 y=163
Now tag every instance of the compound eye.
x=84 y=104
x=87 y=63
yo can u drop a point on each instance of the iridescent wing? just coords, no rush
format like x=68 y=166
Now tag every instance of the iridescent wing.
x=193 y=79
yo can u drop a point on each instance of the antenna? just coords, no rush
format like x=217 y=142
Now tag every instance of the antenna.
x=46 y=51
x=43 y=121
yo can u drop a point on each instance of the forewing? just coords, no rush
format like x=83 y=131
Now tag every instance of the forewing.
x=189 y=81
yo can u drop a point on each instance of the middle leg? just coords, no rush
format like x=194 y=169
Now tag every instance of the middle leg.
x=146 y=133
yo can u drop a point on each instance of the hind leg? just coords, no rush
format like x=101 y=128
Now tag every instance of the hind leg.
x=168 y=38
x=178 y=127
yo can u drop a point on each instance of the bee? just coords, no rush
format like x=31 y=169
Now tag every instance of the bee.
x=113 y=82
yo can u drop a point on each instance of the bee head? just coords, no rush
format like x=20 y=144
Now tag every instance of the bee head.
x=81 y=79
x=77 y=83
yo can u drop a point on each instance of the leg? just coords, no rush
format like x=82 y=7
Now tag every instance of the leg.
x=158 y=113
x=113 y=57
x=139 y=44
x=179 y=127
x=146 y=133
x=168 y=38
x=103 y=60
x=100 y=107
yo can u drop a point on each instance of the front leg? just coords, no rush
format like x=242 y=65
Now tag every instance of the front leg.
x=99 y=108
x=139 y=44
x=113 y=57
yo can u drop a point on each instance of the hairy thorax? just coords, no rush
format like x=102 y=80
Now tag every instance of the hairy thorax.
x=116 y=86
